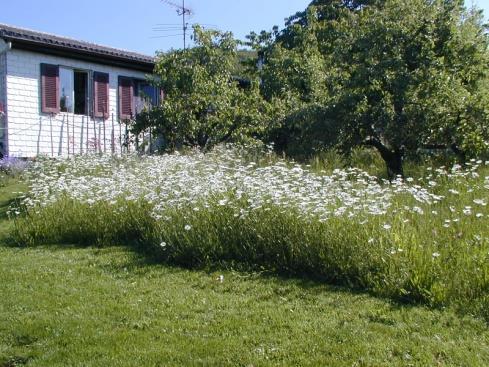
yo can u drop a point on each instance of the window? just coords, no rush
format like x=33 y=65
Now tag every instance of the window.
x=81 y=92
x=66 y=83
x=146 y=94
x=73 y=91
x=136 y=95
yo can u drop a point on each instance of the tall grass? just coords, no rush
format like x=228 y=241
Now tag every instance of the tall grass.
x=370 y=160
x=426 y=241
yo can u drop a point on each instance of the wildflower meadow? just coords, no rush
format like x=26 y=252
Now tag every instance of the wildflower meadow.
x=422 y=239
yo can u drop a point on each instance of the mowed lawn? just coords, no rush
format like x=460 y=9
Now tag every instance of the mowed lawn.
x=72 y=306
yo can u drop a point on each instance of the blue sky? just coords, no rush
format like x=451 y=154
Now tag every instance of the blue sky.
x=131 y=24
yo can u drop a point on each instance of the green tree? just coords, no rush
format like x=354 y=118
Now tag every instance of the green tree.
x=396 y=75
x=205 y=103
x=417 y=70
x=296 y=73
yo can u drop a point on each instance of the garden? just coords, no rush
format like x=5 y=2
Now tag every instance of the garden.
x=319 y=195
x=180 y=243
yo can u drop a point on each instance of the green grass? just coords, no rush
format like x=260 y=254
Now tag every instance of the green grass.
x=8 y=189
x=71 y=306
x=67 y=306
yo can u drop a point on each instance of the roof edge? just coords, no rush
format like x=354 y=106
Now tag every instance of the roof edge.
x=27 y=39
x=82 y=55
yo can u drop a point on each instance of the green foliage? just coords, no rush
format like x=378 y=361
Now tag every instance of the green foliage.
x=400 y=76
x=306 y=131
x=397 y=75
x=416 y=74
x=204 y=104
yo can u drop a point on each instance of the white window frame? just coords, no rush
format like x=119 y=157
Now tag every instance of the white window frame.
x=89 y=97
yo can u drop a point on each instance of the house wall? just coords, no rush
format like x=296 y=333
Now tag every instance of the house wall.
x=3 y=70
x=3 y=117
x=32 y=133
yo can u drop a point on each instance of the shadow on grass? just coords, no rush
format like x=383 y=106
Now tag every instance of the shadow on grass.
x=142 y=261
x=146 y=258
x=14 y=361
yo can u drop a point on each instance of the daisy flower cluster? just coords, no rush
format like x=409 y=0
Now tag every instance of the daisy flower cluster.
x=195 y=180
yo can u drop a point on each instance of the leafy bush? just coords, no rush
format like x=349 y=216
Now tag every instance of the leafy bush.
x=205 y=103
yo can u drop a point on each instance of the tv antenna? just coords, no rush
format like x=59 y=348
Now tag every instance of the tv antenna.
x=182 y=11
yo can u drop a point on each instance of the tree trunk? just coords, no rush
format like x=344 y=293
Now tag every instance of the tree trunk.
x=392 y=158
x=459 y=153
x=394 y=165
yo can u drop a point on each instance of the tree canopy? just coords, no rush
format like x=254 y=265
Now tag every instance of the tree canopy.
x=393 y=74
x=205 y=102
x=397 y=75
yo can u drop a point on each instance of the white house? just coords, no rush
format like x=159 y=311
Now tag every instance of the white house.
x=60 y=96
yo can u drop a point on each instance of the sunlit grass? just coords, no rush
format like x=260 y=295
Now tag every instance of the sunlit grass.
x=68 y=306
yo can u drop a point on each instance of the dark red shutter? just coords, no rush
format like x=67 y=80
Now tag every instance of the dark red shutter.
x=101 y=94
x=126 y=100
x=49 y=88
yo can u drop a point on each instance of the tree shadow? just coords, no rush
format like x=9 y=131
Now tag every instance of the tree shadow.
x=144 y=261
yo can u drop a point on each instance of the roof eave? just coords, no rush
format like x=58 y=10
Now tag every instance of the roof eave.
x=80 y=54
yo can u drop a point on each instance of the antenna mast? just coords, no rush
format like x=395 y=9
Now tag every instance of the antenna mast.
x=184 y=26
x=183 y=12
